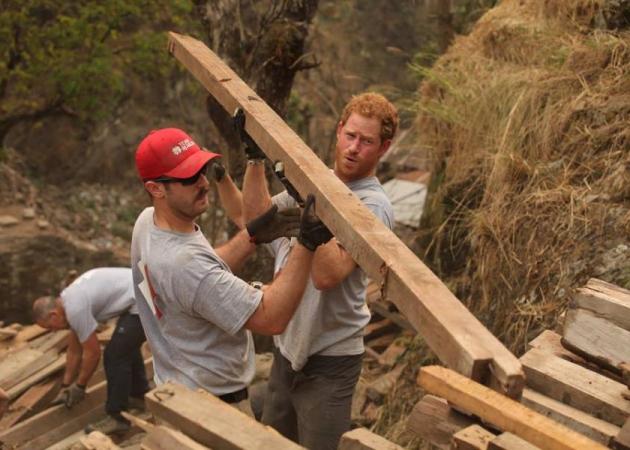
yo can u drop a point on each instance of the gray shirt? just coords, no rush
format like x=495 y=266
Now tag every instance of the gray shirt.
x=97 y=296
x=330 y=322
x=192 y=309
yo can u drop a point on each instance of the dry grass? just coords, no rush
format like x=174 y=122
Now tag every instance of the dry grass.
x=528 y=121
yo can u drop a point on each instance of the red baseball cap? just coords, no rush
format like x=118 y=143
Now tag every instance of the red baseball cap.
x=170 y=152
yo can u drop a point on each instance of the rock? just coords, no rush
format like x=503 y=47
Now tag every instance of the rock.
x=43 y=224
x=8 y=221
x=28 y=213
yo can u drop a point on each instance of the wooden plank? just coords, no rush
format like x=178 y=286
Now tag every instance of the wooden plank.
x=164 y=438
x=378 y=389
x=474 y=437
x=576 y=386
x=22 y=365
x=452 y=332
x=57 y=340
x=55 y=366
x=502 y=412
x=57 y=422
x=606 y=300
x=225 y=427
x=596 y=339
x=509 y=441
x=622 y=440
x=435 y=422
x=591 y=427
x=363 y=439
x=98 y=441
x=30 y=402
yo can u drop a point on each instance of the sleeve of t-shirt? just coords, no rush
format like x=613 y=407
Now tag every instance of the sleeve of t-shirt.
x=80 y=319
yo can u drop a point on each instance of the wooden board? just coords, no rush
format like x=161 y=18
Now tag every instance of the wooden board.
x=210 y=421
x=452 y=332
x=591 y=427
x=607 y=300
x=30 y=402
x=56 y=366
x=363 y=439
x=23 y=364
x=509 y=441
x=576 y=386
x=435 y=422
x=474 y=437
x=622 y=440
x=98 y=441
x=596 y=339
x=502 y=412
x=164 y=438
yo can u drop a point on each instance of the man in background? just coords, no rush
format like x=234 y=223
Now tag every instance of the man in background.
x=97 y=296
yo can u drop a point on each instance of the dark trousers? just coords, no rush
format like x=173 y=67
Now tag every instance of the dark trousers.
x=312 y=406
x=124 y=367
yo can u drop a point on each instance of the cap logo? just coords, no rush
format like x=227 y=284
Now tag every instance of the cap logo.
x=182 y=146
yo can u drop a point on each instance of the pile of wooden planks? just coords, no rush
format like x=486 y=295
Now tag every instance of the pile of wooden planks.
x=576 y=393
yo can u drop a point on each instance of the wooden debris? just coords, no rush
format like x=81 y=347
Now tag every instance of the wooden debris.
x=509 y=441
x=382 y=342
x=596 y=339
x=378 y=389
x=473 y=437
x=30 y=402
x=98 y=441
x=358 y=400
x=56 y=366
x=225 y=427
x=8 y=333
x=502 y=412
x=363 y=439
x=606 y=300
x=21 y=365
x=576 y=386
x=435 y=422
x=596 y=429
x=622 y=440
x=375 y=329
x=164 y=438
x=452 y=332
x=56 y=340
x=391 y=355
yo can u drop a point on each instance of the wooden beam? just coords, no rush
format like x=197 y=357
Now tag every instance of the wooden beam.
x=591 y=427
x=55 y=366
x=509 y=441
x=474 y=437
x=622 y=440
x=164 y=438
x=363 y=439
x=435 y=422
x=224 y=428
x=596 y=339
x=21 y=365
x=452 y=332
x=576 y=386
x=606 y=300
x=30 y=402
x=98 y=441
x=502 y=412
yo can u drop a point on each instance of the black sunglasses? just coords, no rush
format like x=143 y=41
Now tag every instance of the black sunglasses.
x=184 y=181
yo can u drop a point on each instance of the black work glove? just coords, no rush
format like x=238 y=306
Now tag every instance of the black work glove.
x=217 y=171
x=252 y=150
x=278 y=169
x=313 y=232
x=272 y=225
x=76 y=394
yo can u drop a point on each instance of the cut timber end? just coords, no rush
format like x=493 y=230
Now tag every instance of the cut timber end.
x=502 y=412
x=452 y=332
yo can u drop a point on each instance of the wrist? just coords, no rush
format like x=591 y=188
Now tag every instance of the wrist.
x=255 y=161
x=81 y=386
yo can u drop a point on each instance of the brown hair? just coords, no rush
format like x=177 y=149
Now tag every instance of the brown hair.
x=371 y=104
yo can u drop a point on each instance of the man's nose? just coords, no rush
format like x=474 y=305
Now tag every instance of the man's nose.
x=203 y=180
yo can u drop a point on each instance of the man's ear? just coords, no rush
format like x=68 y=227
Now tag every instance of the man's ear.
x=384 y=147
x=155 y=190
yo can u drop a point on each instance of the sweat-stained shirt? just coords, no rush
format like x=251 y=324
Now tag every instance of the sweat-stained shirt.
x=97 y=296
x=193 y=309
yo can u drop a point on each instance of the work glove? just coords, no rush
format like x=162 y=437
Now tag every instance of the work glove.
x=313 y=232
x=252 y=150
x=278 y=169
x=217 y=171
x=61 y=397
x=76 y=393
x=272 y=225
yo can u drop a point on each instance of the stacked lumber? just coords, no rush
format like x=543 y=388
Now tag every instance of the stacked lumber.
x=576 y=393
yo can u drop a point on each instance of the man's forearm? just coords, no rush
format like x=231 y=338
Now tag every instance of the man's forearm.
x=73 y=359
x=256 y=198
x=236 y=251
x=331 y=265
x=231 y=200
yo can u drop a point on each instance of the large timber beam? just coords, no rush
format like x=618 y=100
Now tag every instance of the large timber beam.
x=452 y=332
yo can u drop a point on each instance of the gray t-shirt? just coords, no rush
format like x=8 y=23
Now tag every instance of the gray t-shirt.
x=97 y=296
x=192 y=309
x=330 y=322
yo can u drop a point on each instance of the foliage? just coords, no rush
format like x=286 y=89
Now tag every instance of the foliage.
x=76 y=57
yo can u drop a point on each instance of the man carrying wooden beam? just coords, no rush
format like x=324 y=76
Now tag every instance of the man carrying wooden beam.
x=196 y=313
x=97 y=296
x=317 y=360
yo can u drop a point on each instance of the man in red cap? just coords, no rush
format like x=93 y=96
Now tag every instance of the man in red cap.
x=196 y=314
